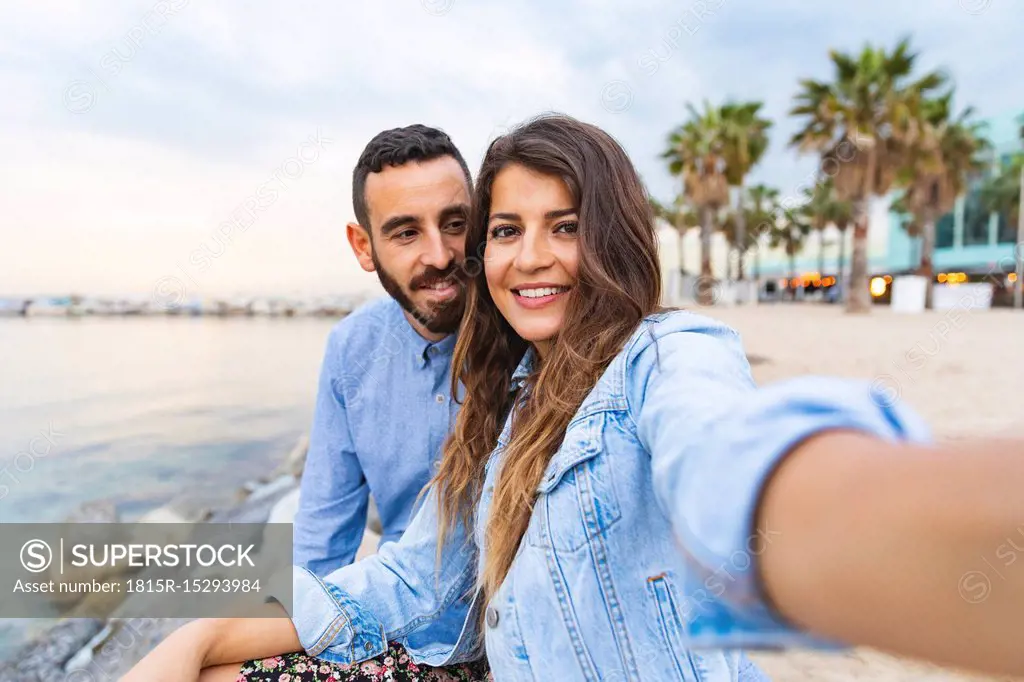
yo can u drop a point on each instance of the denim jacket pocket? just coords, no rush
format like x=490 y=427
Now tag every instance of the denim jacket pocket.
x=577 y=500
x=666 y=611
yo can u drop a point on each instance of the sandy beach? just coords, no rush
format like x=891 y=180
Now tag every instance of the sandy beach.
x=960 y=369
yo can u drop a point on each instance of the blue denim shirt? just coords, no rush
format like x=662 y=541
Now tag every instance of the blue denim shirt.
x=638 y=562
x=383 y=411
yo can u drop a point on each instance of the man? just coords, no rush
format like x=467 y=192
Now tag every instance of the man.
x=384 y=404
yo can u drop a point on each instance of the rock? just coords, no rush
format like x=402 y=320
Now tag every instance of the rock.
x=85 y=654
x=130 y=641
x=175 y=520
x=43 y=660
x=285 y=509
x=183 y=509
x=101 y=604
x=279 y=484
x=256 y=508
x=295 y=462
x=96 y=522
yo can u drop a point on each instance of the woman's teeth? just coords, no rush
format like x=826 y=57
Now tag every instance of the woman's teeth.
x=544 y=291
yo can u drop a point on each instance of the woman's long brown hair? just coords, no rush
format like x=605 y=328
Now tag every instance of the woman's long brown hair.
x=619 y=283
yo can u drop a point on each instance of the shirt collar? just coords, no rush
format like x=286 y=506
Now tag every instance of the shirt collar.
x=522 y=371
x=423 y=350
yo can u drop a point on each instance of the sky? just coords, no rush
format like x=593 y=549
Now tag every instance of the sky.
x=207 y=148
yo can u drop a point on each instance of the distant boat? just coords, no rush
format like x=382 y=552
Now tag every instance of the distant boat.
x=12 y=307
x=48 y=307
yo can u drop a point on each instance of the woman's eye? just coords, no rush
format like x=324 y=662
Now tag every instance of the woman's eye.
x=568 y=228
x=503 y=231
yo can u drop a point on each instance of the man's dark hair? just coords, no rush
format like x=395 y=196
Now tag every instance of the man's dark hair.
x=397 y=147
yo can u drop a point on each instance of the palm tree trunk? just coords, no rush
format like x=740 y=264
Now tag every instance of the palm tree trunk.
x=841 y=266
x=705 y=292
x=859 y=298
x=821 y=252
x=1018 y=291
x=792 y=272
x=741 y=233
x=682 y=254
x=926 y=269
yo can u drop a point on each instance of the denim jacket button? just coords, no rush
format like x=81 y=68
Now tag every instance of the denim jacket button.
x=368 y=646
x=492 y=617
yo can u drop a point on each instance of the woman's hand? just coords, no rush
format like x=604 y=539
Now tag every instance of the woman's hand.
x=179 y=658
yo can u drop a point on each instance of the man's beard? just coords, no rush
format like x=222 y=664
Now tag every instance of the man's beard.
x=439 y=318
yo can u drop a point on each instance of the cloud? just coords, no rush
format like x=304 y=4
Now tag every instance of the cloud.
x=127 y=138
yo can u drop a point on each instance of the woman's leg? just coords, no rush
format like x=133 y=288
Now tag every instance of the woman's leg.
x=221 y=673
x=300 y=667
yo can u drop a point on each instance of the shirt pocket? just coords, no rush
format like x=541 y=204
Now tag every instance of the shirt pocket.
x=667 y=614
x=577 y=502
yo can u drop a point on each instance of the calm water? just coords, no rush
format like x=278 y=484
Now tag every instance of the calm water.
x=142 y=410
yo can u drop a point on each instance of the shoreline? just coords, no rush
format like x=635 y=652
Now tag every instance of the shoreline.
x=98 y=649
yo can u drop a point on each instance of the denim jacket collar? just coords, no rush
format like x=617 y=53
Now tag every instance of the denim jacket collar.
x=523 y=370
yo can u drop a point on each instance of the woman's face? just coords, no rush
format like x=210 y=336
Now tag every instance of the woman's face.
x=532 y=252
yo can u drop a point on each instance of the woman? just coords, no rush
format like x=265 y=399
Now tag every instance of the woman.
x=645 y=510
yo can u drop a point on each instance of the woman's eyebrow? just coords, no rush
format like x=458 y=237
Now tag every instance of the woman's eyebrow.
x=549 y=215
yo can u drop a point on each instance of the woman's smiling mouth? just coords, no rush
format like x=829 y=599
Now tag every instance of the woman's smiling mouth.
x=538 y=295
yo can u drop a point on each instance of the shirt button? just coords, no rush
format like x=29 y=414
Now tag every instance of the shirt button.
x=439 y=398
x=492 y=617
x=433 y=350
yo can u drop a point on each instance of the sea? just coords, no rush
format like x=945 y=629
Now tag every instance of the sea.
x=143 y=410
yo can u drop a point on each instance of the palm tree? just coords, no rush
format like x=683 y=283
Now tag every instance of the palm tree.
x=745 y=135
x=790 y=234
x=821 y=209
x=900 y=206
x=696 y=153
x=814 y=212
x=763 y=209
x=679 y=216
x=860 y=123
x=939 y=161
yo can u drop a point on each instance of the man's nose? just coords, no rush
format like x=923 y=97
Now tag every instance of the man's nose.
x=438 y=253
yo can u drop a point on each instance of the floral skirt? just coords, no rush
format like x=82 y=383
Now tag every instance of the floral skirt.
x=394 y=665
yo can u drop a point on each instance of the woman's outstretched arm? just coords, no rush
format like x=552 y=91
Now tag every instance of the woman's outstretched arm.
x=905 y=548
x=819 y=512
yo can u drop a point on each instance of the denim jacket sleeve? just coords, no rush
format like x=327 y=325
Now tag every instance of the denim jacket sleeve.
x=404 y=592
x=714 y=438
x=334 y=495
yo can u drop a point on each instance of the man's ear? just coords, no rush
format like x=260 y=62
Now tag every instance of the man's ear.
x=362 y=247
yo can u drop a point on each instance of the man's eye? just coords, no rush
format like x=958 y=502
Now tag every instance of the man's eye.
x=405 y=234
x=456 y=226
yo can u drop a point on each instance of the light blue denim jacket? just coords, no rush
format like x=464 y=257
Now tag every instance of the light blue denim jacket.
x=639 y=561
